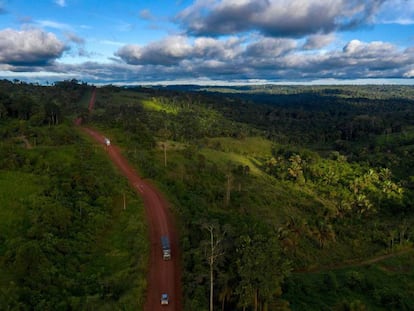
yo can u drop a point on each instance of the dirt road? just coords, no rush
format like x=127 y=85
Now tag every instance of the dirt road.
x=92 y=100
x=164 y=276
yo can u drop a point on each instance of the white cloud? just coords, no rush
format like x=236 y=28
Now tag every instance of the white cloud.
x=61 y=3
x=28 y=47
x=266 y=57
x=270 y=47
x=397 y=11
x=53 y=24
x=72 y=37
x=172 y=50
x=409 y=73
x=373 y=49
x=289 y=18
x=318 y=41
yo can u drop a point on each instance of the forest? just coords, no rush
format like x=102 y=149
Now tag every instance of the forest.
x=306 y=191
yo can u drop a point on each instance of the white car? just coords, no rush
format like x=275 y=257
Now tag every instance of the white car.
x=107 y=141
x=164 y=299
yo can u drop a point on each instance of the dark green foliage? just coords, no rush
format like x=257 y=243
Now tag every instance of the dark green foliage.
x=57 y=243
x=359 y=288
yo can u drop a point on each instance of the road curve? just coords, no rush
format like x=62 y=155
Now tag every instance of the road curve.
x=164 y=276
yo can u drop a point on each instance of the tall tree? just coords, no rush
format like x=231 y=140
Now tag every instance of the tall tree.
x=164 y=134
x=215 y=251
x=261 y=268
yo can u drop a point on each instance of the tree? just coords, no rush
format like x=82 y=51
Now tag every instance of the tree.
x=261 y=268
x=296 y=168
x=52 y=113
x=3 y=111
x=291 y=232
x=164 y=134
x=215 y=251
x=229 y=183
x=323 y=232
x=23 y=106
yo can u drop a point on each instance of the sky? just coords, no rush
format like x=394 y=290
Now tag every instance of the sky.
x=208 y=41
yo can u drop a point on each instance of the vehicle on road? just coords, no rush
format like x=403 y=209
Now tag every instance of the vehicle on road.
x=166 y=249
x=164 y=299
x=107 y=141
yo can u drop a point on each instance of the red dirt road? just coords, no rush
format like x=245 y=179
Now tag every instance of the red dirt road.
x=92 y=100
x=164 y=276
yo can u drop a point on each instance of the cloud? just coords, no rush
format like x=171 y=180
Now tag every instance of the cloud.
x=222 y=50
x=361 y=60
x=409 y=73
x=61 y=3
x=78 y=46
x=124 y=26
x=111 y=42
x=172 y=50
x=52 y=24
x=168 y=51
x=280 y=18
x=315 y=42
x=29 y=47
x=270 y=48
x=250 y=58
x=397 y=11
x=74 y=38
x=146 y=15
x=210 y=52
x=268 y=58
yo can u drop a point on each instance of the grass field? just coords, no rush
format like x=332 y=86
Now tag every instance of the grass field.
x=249 y=146
x=156 y=105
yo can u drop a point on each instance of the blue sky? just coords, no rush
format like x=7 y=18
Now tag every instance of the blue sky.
x=208 y=41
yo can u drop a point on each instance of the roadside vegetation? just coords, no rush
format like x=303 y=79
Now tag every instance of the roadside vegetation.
x=68 y=242
x=287 y=198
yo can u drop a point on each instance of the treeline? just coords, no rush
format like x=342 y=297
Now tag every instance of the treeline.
x=41 y=104
x=317 y=114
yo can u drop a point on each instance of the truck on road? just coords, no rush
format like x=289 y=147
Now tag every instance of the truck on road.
x=166 y=249
x=164 y=299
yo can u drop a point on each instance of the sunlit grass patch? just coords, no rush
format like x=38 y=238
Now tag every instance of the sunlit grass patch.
x=223 y=158
x=251 y=146
x=157 y=105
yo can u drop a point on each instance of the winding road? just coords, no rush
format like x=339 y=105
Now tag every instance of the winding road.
x=164 y=276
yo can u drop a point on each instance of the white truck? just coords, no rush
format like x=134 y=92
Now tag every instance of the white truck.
x=166 y=249
x=164 y=299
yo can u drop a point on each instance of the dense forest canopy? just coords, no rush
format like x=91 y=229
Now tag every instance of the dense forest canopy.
x=300 y=186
